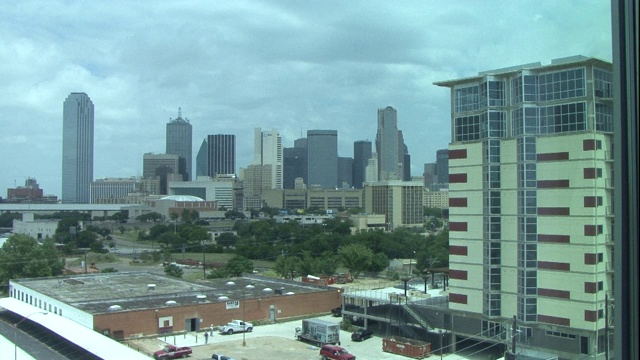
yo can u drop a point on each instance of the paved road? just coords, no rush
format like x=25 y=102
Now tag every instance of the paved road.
x=230 y=345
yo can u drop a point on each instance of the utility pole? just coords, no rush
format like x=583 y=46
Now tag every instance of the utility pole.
x=204 y=266
x=606 y=326
x=514 y=331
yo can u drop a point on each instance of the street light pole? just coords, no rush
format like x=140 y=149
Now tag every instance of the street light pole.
x=244 y=322
x=15 y=332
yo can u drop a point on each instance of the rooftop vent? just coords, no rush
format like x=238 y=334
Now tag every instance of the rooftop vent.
x=278 y=291
x=223 y=298
x=115 y=307
x=151 y=287
x=201 y=297
x=171 y=303
x=230 y=283
x=267 y=290
x=290 y=293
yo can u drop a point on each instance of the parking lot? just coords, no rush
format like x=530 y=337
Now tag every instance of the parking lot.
x=273 y=341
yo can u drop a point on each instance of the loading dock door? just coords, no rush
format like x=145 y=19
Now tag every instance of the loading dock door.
x=192 y=324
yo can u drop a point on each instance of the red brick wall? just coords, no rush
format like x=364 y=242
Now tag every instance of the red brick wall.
x=146 y=321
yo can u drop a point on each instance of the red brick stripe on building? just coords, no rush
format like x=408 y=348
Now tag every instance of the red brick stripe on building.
x=458 y=298
x=590 y=259
x=590 y=315
x=458 y=226
x=458 y=154
x=458 y=178
x=458 y=202
x=590 y=201
x=554 y=320
x=561 y=294
x=589 y=173
x=565 y=239
x=553 y=211
x=590 y=287
x=590 y=230
x=457 y=274
x=458 y=250
x=552 y=184
x=588 y=144
x=552 y=265
x=553 y=156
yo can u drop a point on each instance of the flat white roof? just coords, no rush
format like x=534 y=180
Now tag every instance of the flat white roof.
x=88 y=339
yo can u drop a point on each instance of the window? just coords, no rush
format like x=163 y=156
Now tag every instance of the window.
x=602 y=81
x=467 y=128
x=467 y=99
x=563 y=118
x=564 y=84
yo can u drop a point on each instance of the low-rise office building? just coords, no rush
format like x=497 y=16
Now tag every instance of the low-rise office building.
x=122 y=305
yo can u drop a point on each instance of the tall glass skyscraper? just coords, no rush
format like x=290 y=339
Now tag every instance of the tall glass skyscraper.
x=361 y=156
x=390 y=147
x=77 y=148
x=322 y=155
x=179 y=141
x=217 y=155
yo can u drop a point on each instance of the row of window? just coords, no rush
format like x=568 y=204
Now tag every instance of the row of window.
x=531 y=120
x=31 y=300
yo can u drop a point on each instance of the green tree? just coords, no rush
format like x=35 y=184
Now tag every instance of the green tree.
x=379 y=262
x=355 y=257
x=173 y=270
x=238 y=265
x=287 y=266
x=227 y=239
x=120 y=216
x=22 y=256
x=6 y=219
x=152 y=217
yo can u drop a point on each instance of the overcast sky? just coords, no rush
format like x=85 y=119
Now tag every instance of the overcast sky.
x=236 y=65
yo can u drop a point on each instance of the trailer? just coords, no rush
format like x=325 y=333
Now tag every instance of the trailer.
x=318 y=332
x=407 y=347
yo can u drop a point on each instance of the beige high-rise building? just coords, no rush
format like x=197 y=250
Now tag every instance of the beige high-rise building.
x=399 y=201
x=530 y=206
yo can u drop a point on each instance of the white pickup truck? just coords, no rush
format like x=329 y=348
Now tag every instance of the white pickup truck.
x=235 y=326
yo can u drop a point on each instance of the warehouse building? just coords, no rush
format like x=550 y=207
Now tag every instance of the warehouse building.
x=125 y=305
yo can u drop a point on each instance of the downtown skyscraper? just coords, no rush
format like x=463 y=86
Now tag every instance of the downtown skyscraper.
x=217 y=155
x=77 y=148
x=179 y=141
x=361 y=156
x=322 y=157
x=393 y=156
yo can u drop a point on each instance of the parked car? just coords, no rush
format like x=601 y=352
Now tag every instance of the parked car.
x=221 y=357
x=235 y=326
x=172 y=352
x=338 y=311
x=335 y=352
x=361 y=334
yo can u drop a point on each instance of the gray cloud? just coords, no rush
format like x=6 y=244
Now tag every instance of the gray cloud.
x=233 y=66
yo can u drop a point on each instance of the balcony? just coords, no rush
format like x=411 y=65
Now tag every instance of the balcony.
x=609 y=267
x=608 y=240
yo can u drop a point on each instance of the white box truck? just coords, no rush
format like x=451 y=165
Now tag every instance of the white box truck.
x=318 y=332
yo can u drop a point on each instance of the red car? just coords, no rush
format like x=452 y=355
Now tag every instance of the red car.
x=172 y=352
x=335 y=352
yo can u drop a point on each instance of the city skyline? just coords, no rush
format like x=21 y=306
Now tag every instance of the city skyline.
x=260 y=64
